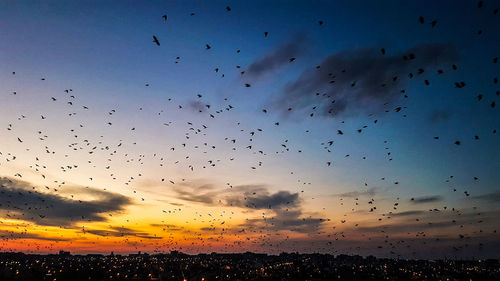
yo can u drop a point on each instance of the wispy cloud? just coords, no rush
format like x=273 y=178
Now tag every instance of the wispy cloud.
x=286 y=219
x=243 y=196
x=205 y=193
x=407 y=213
x=440 y=116
x=493 y=197
x=278 y=57
x=120 y=232
x=5 y=234
x=360 y=80
x=426 y=199
x=264 y=200
x=285 y=206
x=433 y=220
x=355 y=194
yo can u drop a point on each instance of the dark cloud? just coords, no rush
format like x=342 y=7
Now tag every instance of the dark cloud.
x=264 y=200
x=201 y=194
x=426 y=199
x=408 y=213
x=278 y=57
x=493 y=197
x=120 y=232
x=433 y=220
x=5 y=234
x=360 y=80
x=286 y=219
x=354 y=194
x=244 y=196
x=380 y=246
x=18 y=200
x=406 y=227
x=208 y=229
x=176 y=204
x=169 y=227
x=196 y=106
x=285 y=206
x=440 y=116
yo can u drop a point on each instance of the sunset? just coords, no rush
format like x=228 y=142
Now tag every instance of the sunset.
x=351 y=128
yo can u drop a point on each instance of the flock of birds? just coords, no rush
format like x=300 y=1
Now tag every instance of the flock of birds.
x=253 y=232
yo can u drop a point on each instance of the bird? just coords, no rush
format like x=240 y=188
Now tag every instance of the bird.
x=155 y=40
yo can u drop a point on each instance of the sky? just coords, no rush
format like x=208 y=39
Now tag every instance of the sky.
x=356 y=127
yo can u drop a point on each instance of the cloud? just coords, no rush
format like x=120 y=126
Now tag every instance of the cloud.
x=360 y=80
x=426 y=199
x=196 y=106
x=169 y=227
x=408 y=213
x=493 y=197
x=426 y=223
x=201 y=194
x=286 y=219
x=5 y=234
x=277 y=58
x=440 y=116
x=120 y=232
x=354 y=194
x=465 y=221
x=405 y=227
x=18 y=200
x=264 y=200
x=243 y=196
x=285 y=206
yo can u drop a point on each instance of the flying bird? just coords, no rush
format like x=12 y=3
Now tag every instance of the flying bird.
x=155 y=40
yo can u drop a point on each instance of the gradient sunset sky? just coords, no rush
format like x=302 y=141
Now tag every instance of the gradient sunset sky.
x=267 y=126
